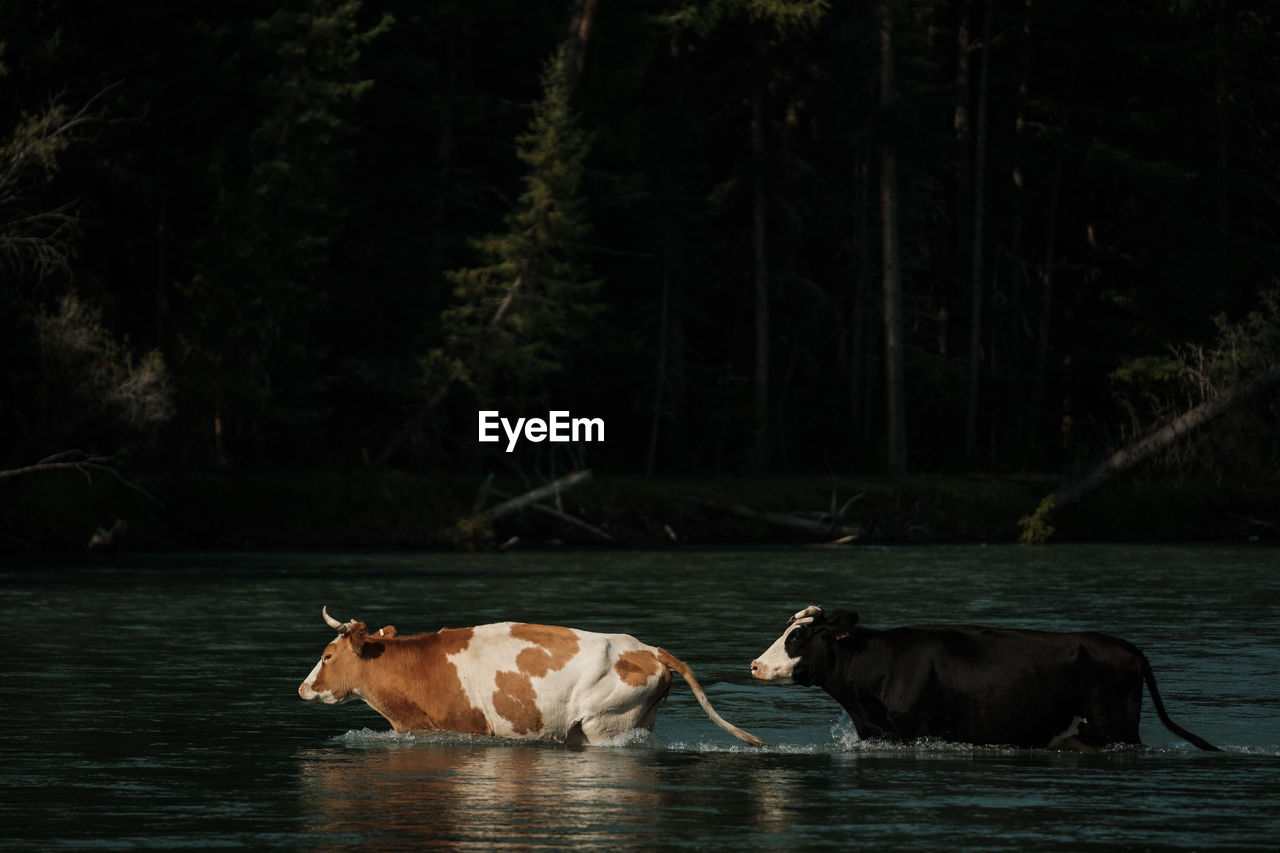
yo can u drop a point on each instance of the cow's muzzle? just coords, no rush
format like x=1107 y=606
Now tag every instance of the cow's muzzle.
x=763 y=670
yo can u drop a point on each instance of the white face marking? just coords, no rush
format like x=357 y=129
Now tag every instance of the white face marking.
x=775 y=664
x=306 y=689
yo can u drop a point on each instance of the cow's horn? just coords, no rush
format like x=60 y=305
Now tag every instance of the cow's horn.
x=329 y=620
x=810 y=612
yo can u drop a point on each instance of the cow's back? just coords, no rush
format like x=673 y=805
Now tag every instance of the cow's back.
x=1002 y=685
x=543 y=681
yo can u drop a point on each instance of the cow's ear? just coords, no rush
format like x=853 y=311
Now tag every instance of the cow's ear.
x=387 y=632
x=845 y=626
x=845 y=620
x=356 y=635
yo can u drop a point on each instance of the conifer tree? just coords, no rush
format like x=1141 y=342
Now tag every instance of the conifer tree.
x=518 y=313
x=260 y=291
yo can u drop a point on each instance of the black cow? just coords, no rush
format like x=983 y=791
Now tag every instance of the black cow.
x=970 y=684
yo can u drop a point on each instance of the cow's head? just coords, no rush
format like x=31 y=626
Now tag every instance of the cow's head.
x=804 y=650
x=337 y=677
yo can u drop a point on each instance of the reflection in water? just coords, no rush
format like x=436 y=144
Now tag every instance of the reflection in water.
x=773 y=795
x=454 y=791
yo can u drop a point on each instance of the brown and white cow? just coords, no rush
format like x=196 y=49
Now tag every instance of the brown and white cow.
x=509 y=679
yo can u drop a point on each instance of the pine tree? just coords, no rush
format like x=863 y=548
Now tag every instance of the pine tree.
x=260 y=292
x=517 y=315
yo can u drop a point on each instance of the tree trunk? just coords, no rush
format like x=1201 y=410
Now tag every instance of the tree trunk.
x=456 y=51
x=964 y=140
x=1013 y=419
x=581 y=17
x=857 y=345
x=977 y=272
x=894 y=325
x=759 y=236
x=963 y=133
x=1040 y=362
x=162 y=276
x=660 y=381
x=1220 y=102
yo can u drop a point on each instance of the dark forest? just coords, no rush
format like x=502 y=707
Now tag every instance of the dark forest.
x=752 y=237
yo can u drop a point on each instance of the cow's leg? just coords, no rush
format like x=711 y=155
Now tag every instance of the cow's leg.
x=610 y=724
x=1114 y=707
x=1070 y=738
x=651 y=713
x=1079 y=745
x=1074 y=743
x=575 y=737
x=600 y=728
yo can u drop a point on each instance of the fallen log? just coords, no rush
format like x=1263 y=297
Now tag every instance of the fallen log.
x=563 y=516
x=825 y=526
x=533 y=495
x=474 y=530
x=1035 y=527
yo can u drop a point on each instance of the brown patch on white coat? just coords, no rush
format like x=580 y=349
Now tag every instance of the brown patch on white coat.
x=509 y=679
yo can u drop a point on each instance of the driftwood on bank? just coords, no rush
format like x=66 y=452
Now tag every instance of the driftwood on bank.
x=1035 y=527
x=467 y=530
x=1152 y=443
x=825 y=525
x=563 y=516
x=533 y=495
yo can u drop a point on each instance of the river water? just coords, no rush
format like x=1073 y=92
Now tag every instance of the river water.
x=150 y=701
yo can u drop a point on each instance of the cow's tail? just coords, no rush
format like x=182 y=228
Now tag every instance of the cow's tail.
x=1164 y=716
x=678 y=666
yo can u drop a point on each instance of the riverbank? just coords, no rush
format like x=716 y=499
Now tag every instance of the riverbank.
x=350 y=509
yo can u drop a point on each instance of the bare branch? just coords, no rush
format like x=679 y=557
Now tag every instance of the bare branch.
x=85 y=464
x=38 y=241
